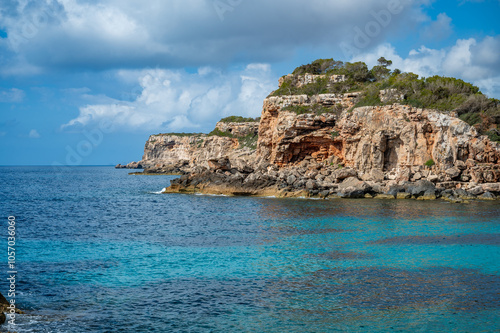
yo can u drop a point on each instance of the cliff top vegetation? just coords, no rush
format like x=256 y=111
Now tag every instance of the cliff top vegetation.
x=436 y=92
x=239 y=119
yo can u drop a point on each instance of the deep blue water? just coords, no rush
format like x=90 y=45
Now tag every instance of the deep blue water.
x=101 y=251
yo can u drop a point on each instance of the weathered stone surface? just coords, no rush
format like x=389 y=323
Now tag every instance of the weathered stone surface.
x=463 y=194
x=384 y=196
x=487 y=196
x=311 y=185
x=403 y=195
x=460 y=165
x=238 y=129
x=300 y=80
x=421 y=187
x=453 y=172
x=494 y=187
x=345 y=173
x=428 y=195
x=392 y=139
x=397 y=150
x=353 y=188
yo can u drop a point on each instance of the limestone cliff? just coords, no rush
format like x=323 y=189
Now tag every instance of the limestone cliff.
x=321 y=145
x=395 y=140
x=180 y=153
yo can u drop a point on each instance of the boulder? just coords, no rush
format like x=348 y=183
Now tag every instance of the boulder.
x=374 y=175
x=324 y=194
x=311 y=185
x=428 y=195
x=395 y=189
x=433 y=178
x=353 y=188
x=421 y=187
x=384 y=196
x=470 y=163
x=403 y=195
x=463 y=194
x=487 y=196
x=345 y=173
x=241 y=165
x=476 y=190
x=291 y=179
x=460 y=165
x=492 y=187
x=219 y=164
x=453 y=172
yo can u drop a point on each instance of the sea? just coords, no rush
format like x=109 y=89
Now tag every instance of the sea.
x=99 y=250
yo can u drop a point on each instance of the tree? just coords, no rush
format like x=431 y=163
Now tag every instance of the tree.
x=380 y=72
x=358 y=71
x=384 y=62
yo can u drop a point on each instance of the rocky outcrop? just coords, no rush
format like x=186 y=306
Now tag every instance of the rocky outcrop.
x=395 y=140
x=302 y=80
x=7 y=310
x=238 y=129
x=321 y=145
x=181 y=153
x=393 y=151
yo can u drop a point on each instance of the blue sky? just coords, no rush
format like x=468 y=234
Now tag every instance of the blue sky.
x=86 y=82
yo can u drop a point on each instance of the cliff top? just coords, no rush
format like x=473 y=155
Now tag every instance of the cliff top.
x=382 y=86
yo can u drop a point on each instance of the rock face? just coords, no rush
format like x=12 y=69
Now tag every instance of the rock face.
x=310 y=78
x=322 y=146
x=179 y=154
x=238 y=129
x=395 y=140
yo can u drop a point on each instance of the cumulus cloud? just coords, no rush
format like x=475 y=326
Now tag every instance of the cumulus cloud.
x=34 y=134
x=178 y=33
x=439 y=29
x=175 y=100
x=11 y=96
x=469 y=59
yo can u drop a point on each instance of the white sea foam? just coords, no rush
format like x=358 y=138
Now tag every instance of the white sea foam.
x=159 y=192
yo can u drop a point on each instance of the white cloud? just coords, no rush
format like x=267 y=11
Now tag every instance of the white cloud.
x=34 y=134
x=11 y=96
x=180 y=101
x=471 y=60
x=439 y=29
x=115 y=34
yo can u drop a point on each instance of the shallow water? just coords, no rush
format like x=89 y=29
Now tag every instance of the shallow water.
x=101 y=251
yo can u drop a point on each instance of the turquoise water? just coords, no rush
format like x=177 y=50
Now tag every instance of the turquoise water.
x=101 y=251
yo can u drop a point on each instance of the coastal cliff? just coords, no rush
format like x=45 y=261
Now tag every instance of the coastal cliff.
x=180 y=153
x=325 y=143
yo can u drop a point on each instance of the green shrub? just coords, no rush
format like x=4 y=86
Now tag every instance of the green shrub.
x=430 y=163
x=436 y=92
x=239 y=119
x=249 y=141
x=218 y=132
x=471 y=118
x=178 y=134
x=493 y=135
x=370 y=97
x=320 y=66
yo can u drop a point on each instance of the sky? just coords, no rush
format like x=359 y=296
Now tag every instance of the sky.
x=87 y=82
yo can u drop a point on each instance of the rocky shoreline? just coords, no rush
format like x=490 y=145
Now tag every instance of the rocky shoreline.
x=314 y=180
x=321 y=146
